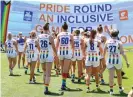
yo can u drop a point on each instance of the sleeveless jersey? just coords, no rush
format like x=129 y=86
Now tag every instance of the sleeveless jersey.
x=45 y=46
x=113 y=50
x=77 y=46
x=31 y=48
x=64 y=44
x=92 y=50
x=21 y=42
x=10 y=46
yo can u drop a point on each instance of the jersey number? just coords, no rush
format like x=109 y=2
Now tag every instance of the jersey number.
x=76 y=44
x=92 y=46
x=9 y=44
x=31 y=46
x=44 y=43
x=112 y=48
x=64 y=40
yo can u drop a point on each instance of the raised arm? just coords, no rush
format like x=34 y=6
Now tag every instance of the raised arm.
x=100 y=48
x=37 y=44
x=123 y=54
x=105 y=50
x=53 y=46
x=57 y=43
x=72 y=43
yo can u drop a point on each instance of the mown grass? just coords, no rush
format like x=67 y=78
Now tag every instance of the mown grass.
x=17 y=86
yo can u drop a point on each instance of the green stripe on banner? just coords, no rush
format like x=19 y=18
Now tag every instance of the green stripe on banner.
x=4 y=22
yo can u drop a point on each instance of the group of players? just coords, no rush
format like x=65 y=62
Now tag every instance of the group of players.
x=87 y=49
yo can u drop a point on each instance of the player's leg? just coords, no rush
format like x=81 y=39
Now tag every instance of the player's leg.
x=44 y=71
x=87 y=77
x=65 y=72
x=83 y=66
x=119 y=80
x=61 y=64
x=14 y=61
x=38 y=64
x=102 y=69
x=80 y=70
x=73 y=64
x=57 y=65
x=23 y=60
x=10 y=65
x=32 y=69
x=96 y=72
x=47 y=76
x=19 y=59
x=43 y=65
x=27 y=64
x=111 y=79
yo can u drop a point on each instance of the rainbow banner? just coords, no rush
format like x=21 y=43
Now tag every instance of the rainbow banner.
x=5 y=9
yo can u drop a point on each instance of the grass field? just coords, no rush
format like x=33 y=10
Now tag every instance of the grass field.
x=17 y=86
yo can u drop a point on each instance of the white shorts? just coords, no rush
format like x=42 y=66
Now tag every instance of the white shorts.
x=37 y=51
x=11 y=54
x=117 y=66
x=31 y=57
x=62 y=57
x=75 y=58
x=44 y=58
x=110 y=63
x=92 y=63
x=21 y=48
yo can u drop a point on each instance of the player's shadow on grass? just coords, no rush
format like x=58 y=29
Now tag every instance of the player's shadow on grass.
x=99 y=91
x=79 y=83
x=121 y=95
x=54 y=75
x=122 y=77
x=15 y=75
x=35 y=74
x=37 y=83
x=56 y=94
x=73 y=90
x=105 y=84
